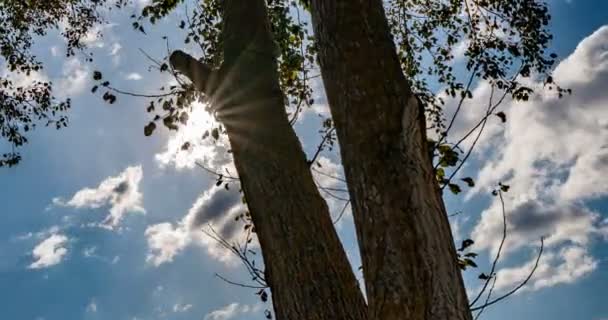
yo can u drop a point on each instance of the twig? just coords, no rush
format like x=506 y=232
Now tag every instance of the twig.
x=502 y=242
x=239 y=284
x=523 y=283
x=342 y=212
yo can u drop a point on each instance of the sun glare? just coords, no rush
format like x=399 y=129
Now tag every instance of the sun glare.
x=207 y=151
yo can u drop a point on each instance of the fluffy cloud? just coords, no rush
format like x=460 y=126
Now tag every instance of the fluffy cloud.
x=551 y=152
x=120 y=192
x=231 y=311
x=74 y=77
x=50 y=251
x=564 y=266
x=216 y=208
x=528 y=221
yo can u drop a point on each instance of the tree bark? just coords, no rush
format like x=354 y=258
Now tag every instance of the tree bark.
x=409 y=258
x=306 y=267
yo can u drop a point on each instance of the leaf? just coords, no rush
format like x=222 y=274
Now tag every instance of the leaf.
x=215 y=133
x=149 y=129
x=454 y=188
x=97 y=75
x=483 y=276
x=504 y=187
x=470 y=262
x=469 y=181
x=94 y=89
x=183 y=118
x=502 y=116
x=471 y=255
x=465 y=244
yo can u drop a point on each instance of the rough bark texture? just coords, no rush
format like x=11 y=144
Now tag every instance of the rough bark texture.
x=306 y=266
x=408 y=254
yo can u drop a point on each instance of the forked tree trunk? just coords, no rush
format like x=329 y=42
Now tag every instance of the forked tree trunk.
x=409 y=258
x=306 y=266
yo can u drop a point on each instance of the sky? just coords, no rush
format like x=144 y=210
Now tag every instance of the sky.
x=101 y=222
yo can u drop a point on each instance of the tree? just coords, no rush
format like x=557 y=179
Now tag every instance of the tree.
x=410 y=264
x=409 y=259
x=292 y=221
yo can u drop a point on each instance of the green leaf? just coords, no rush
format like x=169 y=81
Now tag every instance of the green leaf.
x=149 y=129
x=454 y=188
x=97 y=75
x=469 y=181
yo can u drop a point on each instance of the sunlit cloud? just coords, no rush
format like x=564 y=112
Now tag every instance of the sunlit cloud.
x=121 y=193
x=50 y=251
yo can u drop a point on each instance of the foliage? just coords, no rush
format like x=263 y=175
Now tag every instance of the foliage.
x=500 y=41
x=25 y=103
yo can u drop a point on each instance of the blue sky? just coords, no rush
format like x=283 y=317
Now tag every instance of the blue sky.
x=100 y=222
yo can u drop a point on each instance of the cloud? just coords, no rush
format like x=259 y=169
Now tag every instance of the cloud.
x=120 y=193
x=217 y=208
x=551 y=152
x=49 y=252
x=565 y=266
x=73 y=80
x=211 y=153
x=134 y=76
x=178 y=307
x=231 y=311
x=528 y=221
x=92 y=306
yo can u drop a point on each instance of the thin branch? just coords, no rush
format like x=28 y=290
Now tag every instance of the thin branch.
x=342 y=212
x=487 y=299
x=141 y=95
x=321 y=146
x=328 y=175
x=523 y=283
x=224 y=176
x=238 y=283
x=502 y=242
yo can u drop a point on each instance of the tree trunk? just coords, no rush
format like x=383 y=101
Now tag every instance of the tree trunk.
x=306 y=267
x=409 y=258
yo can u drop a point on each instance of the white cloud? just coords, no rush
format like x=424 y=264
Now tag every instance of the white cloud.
x=73 y=79
x=134 y=76
x=92 y=306
x=165 y=242
x=232 y=310
x=120 y=192
x=178 y=307
x=216 y=208
x=565 y=266
x=116 y=47
x=551 y=151
x=90 y=252
x=49 y=252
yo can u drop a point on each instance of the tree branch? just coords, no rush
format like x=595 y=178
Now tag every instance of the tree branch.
x=523 y=283
x=199 y=73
